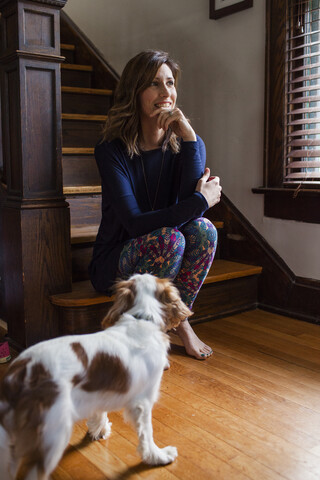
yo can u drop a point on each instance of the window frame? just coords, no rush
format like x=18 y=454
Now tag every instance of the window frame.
x=280 y=201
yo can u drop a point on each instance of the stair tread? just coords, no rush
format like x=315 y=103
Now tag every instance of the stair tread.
x=67 y=46
x=77 y=151
x=82 y=189
x=88 y=233
x=83 y=293
x=87 y=91
x=83 y=117
x=75 y=66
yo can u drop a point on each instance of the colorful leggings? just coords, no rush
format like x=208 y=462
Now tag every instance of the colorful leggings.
x=185 y=256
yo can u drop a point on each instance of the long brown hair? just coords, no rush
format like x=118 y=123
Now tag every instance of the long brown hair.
x=123 y=119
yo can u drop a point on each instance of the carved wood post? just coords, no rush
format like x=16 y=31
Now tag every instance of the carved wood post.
x=35 y=237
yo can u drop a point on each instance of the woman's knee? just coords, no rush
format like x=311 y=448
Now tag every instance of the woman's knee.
x=170 y=239
x=201 y=229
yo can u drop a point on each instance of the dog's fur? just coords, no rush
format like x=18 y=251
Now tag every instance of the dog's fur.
x=55 y=383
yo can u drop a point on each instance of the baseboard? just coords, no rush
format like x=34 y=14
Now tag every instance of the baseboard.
x=226 y=313
x=290 y=313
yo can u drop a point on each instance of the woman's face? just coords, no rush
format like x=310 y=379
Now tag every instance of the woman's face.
x=160 y=94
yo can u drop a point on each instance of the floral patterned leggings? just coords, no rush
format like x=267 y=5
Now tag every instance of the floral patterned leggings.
x=185 y=256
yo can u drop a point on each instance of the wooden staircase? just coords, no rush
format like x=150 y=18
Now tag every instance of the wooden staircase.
x=87 y=93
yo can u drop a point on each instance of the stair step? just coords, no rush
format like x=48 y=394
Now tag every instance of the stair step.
x=77 y=151
x=69 y=52
x=82 y=190
x=81 y=130
x=83 y=117
x=73 y=74
x=87 y=91
x=74 y=66
x=80 y=170
x=83 y=293
x=88 y=233
x=89 y=101
x=67 y=46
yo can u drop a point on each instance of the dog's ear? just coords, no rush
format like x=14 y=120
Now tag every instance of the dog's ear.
x=174 y=309
x=124 y=299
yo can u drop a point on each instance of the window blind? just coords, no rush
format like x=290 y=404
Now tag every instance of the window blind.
x=302 y=119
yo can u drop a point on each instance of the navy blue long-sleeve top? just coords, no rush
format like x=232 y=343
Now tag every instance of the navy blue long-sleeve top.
x=126 y=209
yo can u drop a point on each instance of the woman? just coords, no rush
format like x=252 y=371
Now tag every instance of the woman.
x=154 y=189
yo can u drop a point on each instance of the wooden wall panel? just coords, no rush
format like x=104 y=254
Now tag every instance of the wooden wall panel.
x=41 y=177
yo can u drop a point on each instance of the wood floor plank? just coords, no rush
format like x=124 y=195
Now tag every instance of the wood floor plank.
x=249 y=439
x=293 y=341
x=277 y=384
x=248 y=351
x=308 y=357
x=208 y=442
x=293 y=422
x=99 y=454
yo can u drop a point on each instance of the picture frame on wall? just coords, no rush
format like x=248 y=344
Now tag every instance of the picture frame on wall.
x=221 y=8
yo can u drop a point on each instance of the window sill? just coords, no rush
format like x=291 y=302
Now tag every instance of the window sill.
x=281 y=203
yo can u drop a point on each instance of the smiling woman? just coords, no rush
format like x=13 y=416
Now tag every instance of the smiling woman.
x=155 y=189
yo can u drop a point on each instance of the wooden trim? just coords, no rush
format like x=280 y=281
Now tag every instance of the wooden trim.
x=279 y=201
x=275 y=92
x=279 y=288
x=291 y=204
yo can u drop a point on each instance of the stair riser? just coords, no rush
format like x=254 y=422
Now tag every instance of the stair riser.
x=228 y=297
x=81 y=257
x=85 y=210
x=80 y=133
x=80 y=170
x=71 y=78
x=80 y=320
x=90 y=104
x=69 y=55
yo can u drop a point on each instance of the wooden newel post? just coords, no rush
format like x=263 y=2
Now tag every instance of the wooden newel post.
x=35 y=233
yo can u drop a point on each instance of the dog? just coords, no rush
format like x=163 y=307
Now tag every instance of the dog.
x=55 y=383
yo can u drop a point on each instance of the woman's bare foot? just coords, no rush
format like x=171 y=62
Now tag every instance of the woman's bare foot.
x=192 y=343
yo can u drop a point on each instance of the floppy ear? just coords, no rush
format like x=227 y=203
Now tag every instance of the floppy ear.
x=124 y=299
x=174 y=309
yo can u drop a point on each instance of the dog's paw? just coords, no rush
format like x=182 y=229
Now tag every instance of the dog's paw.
x=106 y=431
x=161 y=456
x=99 y=427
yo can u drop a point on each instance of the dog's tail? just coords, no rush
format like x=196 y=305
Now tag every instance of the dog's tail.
x=4 y=453
x=27 y=391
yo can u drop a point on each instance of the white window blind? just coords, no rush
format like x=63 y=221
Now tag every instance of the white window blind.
x=302 y=122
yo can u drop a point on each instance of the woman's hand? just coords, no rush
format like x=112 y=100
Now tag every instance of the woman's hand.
x=210 y=188
x=176 y=121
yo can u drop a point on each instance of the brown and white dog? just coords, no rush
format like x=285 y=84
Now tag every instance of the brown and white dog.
x=55 y=383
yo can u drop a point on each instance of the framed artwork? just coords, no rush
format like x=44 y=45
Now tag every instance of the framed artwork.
x=221 y=8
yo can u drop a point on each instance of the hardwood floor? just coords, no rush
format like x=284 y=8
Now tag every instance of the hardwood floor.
x=252 y=411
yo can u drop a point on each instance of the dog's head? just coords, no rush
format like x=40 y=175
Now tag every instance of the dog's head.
x=149 y=298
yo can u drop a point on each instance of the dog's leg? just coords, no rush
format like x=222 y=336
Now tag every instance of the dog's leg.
x=99 y=426
x=141 y=416
x=56 y=433
x=5 y=457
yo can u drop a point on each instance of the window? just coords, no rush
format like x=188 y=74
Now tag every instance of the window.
x=302 y=120
x=292 y=124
